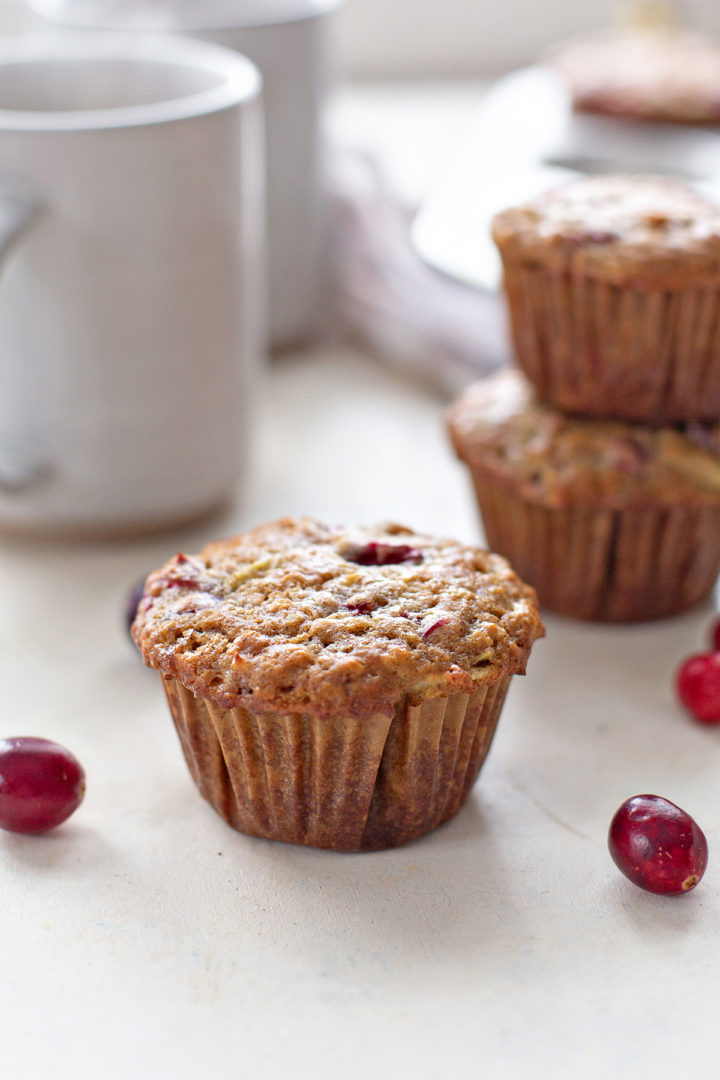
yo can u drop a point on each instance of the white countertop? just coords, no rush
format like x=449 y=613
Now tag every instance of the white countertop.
x=146 y=939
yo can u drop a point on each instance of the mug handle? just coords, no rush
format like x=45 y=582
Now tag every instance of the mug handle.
x=19 y=207
x=21 y=467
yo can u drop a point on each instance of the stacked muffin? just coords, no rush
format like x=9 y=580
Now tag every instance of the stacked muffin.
x=656 y=73
x=603 y=487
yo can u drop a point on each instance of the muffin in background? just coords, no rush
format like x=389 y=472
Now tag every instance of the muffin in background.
x=657 y=73
x=336 y=687
x=613 y=290
x=609 y=521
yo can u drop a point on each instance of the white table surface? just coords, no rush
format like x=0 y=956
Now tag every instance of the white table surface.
x=146 y=939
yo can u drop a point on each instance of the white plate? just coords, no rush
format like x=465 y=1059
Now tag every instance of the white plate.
x=525 y=140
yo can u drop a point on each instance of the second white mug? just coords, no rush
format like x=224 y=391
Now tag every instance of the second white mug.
x=286 y=39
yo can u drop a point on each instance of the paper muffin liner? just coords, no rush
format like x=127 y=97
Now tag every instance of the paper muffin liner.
x=341 y=782
x=603 y=564
x=604 y=350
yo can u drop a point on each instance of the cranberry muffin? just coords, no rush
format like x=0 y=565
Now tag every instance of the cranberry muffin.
x=613 y=289
x=608 y=520
x=652 y=73
x=336 y=687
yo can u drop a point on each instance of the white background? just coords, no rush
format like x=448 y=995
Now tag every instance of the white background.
x=146 y=940
x=389 y=39
x=451 y=38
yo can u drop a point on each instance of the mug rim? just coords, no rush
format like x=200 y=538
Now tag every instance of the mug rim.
x=240 y=83
x=295 y=11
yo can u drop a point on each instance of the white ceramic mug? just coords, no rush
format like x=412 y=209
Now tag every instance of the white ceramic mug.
x=130 y=202
x=286 y=39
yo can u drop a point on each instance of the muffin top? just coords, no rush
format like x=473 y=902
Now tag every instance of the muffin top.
x=299 y=616
x=650 y=73
x=554 y=459
x=650 y=231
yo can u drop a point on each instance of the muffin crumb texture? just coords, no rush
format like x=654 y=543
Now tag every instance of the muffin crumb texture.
x=298 y=616
x=561 y=460
x=652 y=232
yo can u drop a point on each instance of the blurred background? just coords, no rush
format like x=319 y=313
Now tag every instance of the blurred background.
x=418 y=39
x=395 y=130
x=405 y=80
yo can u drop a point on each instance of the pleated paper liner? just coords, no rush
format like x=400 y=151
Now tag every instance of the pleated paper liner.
x=603 y=350
x=340 y=783
x=602 y=564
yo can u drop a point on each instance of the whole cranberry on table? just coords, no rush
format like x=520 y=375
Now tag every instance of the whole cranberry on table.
x=658 y=846
x=698 y=686
x=697 y=682
x=134 y=596
x=41 y=784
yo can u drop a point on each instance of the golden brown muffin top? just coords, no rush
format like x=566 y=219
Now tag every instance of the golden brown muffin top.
x=651 y=73
x=299 y=616
x=559 y=460
x=648 y=231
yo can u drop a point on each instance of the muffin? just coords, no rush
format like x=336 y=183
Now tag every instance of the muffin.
x=336 y=687
x=652 y=73
x=608 y=520
x=613 y=289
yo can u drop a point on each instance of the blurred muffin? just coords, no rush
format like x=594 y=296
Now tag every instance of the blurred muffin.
x=649 y=73
x=609 y=521
x=613 y=289
x=336 y=687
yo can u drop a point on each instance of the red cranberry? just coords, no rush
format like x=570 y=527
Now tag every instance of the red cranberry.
x=41 y=784
x=628 y=454
x=134 y=597
x=180 y=582
x=698 y=686
x=187 y=578
x=376 y=553
x=657 y=845
x=435 y=624
x=590 y=236
x=361 y=607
